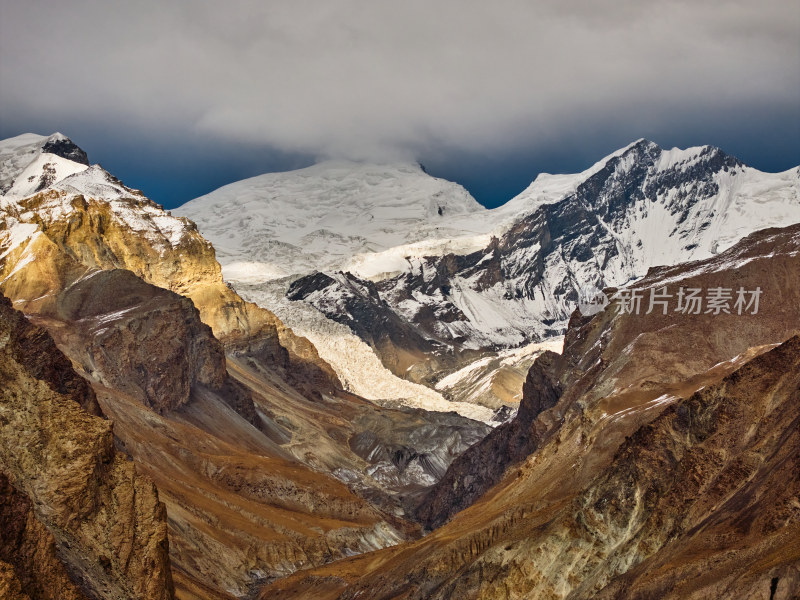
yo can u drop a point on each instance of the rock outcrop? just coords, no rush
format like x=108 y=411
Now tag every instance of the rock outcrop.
x=229 y=487
x=140 y=339
x=162 y=377
x=73 y=508
x=29 y=562
x=35 y=348
x=403 y=349
x=92 y=219
x=483 y=465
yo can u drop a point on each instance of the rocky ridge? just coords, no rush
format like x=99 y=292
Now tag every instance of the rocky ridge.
x=648 y=465
x=698 y=489
x=635 y=358
x=641 y=207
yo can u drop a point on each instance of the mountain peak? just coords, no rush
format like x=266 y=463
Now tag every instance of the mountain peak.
x=327 y=213
x=31 y=162
x=643 y=143
x=62 y=146
x=708 y=158
x=642 y=146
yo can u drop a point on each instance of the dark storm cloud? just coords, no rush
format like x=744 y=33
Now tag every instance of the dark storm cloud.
x=358 y=77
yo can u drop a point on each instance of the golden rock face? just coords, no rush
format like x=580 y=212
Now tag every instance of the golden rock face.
x=95 y=233
x=74 y=233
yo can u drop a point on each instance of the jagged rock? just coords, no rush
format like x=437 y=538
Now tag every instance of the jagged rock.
x=356 y=303
x=34 y=347
x=411 y=454
x=65 y=148
x=29 y=552
x=228 y=450
x=107 y=524
x=634 y=353
x=483 y=464
x=141 y=339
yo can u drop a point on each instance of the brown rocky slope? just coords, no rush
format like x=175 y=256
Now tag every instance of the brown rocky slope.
x=231 y=491
x=78 y=521
x=618 y=363
x=700 y=503
x=228 y=439
x=672 y=445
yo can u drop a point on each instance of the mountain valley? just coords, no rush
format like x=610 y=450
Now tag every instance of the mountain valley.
x=354 y=381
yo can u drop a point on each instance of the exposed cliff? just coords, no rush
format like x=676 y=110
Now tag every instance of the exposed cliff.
x=136 y=337
x=228 y=485
x=29 y=562
x=700 y=503
x=84 y=506
x=483 y=464
x=35 y=348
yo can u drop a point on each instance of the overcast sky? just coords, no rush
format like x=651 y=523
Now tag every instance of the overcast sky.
x=179 y=97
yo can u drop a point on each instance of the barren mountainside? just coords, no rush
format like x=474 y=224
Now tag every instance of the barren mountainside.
x=264 y=464
x=623 y=363
x=78 y=521
x=628 y=452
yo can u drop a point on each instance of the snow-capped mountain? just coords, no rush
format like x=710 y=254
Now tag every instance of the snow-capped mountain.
x=644 y=207
x=42 y=178
x=641 y=207
x=451 y=299
x=322 y=216
x=30 y=163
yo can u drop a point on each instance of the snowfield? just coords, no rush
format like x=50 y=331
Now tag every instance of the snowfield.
x=323 y=216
